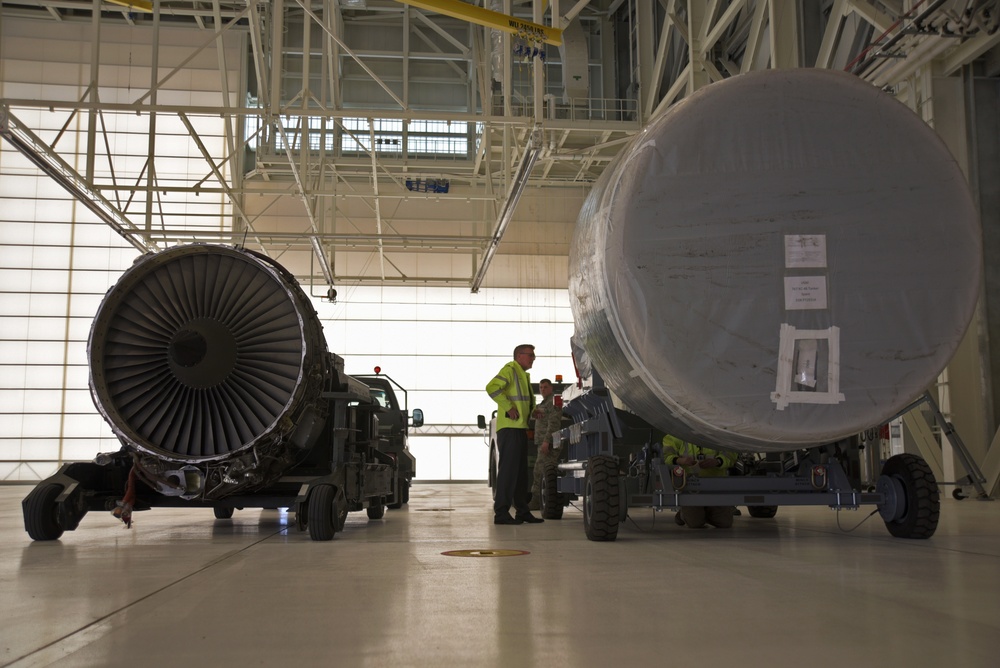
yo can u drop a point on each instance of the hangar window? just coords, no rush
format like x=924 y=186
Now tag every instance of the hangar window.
x=387 y=137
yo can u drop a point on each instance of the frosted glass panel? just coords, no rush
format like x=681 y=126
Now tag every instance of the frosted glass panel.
x=469 y=459
x=14 y=471
x=40 y=425
x=10 y=449
x=40 y=449
x=79 y=400
x=433 y=458
x=41 y=377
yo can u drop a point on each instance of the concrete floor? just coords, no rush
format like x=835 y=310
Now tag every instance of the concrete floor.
x=184 y=589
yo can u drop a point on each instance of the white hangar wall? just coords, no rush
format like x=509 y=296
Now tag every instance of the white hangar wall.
x=57 y=260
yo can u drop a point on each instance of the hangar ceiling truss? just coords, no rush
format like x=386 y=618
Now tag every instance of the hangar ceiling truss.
x=361 y=110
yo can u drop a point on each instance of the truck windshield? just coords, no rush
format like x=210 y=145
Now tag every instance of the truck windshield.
x=379 y=396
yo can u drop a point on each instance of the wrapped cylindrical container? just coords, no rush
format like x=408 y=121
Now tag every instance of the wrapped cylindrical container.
x=781 y=260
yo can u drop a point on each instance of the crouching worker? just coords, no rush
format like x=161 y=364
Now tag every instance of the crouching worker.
x=704 y=463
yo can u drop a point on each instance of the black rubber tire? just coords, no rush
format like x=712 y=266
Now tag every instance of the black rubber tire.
x=402 y=494
x=764 y=512
x=398 y=499
x=376 y=511
x=922 y=498
x=552 y=501
x=601 y=498
x=493 y=469
x=958 y=494
x=223 y=513
x=41 y=519
x=322 y=516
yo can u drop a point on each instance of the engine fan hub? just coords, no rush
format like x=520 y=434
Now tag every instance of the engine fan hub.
x=202 y=353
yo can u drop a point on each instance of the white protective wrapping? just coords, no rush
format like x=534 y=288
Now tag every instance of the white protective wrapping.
x=781 y=260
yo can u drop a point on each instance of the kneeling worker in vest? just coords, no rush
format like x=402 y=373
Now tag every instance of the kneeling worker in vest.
x=704 y=463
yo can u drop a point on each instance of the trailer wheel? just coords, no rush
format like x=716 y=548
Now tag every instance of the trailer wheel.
x=41 y=518
x=764 y=512
x=377 y=511
x=223 y=513
x=600 y=499
x=552 y=500
x=913 y=504
x=321 y=513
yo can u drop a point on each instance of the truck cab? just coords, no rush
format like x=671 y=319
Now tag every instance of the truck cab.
x=394 y=420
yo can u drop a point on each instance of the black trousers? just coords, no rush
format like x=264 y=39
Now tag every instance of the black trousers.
x=512 y=483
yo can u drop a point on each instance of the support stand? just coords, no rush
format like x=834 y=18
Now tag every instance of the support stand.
x=974 y=475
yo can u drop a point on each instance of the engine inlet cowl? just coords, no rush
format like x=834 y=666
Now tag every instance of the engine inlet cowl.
x=200 y=353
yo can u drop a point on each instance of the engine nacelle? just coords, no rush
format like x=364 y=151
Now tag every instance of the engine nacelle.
x=781 y=260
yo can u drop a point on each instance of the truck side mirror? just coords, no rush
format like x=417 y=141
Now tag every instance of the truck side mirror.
x=481 y=421
x=418 y=417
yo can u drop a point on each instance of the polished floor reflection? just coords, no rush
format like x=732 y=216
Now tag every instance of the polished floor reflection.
x=182 y=588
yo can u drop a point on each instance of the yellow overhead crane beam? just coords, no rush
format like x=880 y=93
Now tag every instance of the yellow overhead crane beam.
x=487 y=17
x=141 y=5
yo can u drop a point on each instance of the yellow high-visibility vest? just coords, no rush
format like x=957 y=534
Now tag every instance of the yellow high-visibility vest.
x=512 y=387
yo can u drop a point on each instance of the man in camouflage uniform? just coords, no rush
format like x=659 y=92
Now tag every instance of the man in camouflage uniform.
x=548 y=418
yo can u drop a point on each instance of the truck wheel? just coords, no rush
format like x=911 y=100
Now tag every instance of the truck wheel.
x=321 y=513
x=763 y=511
x=913 y=504
x=41 y=518
x=402 y=492
x=493 y=469
x=223 y=513
x=600 y=499
x=377 y=511
x=552 y=501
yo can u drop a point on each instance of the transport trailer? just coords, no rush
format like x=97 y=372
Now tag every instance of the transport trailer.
x=337 y=476
x=616 y=464
x=755 y=301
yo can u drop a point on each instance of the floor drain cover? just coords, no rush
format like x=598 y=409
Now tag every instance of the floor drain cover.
x=434 y=510
x=485 y=553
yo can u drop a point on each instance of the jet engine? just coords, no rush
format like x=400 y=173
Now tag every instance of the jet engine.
x=208 y=362
x=783 y=259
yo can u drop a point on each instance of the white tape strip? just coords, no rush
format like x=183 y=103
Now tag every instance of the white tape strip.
x=783 y=394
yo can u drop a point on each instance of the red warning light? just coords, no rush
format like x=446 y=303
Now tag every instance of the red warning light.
x=378 y=369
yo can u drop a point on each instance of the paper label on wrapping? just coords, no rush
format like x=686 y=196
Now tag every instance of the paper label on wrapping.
x=805 y=292
x=805 y=251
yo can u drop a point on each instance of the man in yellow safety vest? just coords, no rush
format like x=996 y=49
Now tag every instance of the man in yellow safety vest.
x=511 y=389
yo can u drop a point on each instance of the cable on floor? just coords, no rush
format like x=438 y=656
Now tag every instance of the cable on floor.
x=856 y=525
x=628 y=516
